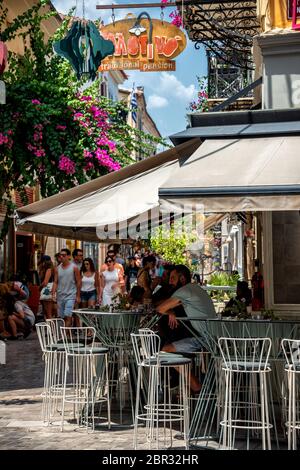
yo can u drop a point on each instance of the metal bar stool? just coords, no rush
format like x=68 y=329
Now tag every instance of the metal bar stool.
x=53 y=356
x=245 y=366
x=57 y=387
x=55 y=325
x=88 y=364
x=291 y=349
x=159 y=412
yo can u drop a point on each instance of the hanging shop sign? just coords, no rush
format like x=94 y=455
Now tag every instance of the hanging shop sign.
x=290 y=8
x=144 y=44
x=84 y=48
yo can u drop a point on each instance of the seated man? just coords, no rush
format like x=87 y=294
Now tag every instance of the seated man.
x=167 y=334
x=196 y=303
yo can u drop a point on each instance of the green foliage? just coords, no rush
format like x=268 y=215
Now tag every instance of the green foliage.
x=200 y=104
x=223 y=279
x=171 y=243
x=237 y=308
x=268 y=314
x=50 y=133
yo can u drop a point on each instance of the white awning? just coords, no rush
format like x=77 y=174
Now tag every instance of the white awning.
x=117 y=198
x=231 y=175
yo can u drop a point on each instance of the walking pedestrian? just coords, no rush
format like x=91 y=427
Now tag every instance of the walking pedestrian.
x=67 y=285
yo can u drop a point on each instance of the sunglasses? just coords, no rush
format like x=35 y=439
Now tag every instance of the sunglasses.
x=109 y=261
x=63 y=254
x=86 y=262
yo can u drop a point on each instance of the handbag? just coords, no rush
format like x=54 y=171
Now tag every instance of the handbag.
x=46 y=292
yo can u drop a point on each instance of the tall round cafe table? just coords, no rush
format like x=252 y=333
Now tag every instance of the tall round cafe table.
x=113 y=331
x=205 y=423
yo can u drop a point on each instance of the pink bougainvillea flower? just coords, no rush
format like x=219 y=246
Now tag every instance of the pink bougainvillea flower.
x=78 y=115
x=89 y=166
x=40 y=153
x=87 y=154
x=3 y=139
x=176 y=18
x=67 y=165
x=85 y=98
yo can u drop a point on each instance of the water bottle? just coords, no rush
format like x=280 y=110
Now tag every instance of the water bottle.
x=2 y=352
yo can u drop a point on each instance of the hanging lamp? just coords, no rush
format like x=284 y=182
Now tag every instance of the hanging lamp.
x=84 y=48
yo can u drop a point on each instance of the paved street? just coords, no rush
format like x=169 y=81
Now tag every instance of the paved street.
x=21 y=427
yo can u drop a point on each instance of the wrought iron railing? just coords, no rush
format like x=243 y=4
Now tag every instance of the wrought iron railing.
x=224 y=27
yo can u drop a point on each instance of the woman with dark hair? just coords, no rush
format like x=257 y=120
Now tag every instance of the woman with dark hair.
x=136 y=296
x=90 y=286
x=111 y=281
x=46 y=275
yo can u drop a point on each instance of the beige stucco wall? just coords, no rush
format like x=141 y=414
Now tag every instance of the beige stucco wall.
x=273 y=14
x=17 y=7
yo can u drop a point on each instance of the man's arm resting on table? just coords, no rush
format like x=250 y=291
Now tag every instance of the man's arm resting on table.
x=166 y=307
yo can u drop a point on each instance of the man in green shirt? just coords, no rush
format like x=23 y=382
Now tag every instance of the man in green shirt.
x=197 y=305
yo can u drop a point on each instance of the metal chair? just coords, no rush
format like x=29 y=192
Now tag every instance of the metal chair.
x=245 y=365
x=291 y=349
x=88 y=365
x=159 y=412
x=55 y=325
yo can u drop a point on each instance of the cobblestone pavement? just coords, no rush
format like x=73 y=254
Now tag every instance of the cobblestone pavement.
x=21 y=381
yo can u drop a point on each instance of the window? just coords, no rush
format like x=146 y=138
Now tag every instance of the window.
x=104 y=87
x=286 y=257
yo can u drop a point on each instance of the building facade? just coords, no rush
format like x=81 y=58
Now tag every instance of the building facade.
x=142 y=119
x=279 y=48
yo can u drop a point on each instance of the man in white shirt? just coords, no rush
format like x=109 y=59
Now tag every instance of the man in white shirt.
x=77 y=255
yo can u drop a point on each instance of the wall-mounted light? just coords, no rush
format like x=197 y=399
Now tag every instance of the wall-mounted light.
x=137 y=29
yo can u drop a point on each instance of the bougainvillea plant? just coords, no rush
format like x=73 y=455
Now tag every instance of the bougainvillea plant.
x=201 y=102
x=175 y=16
x=51 y=133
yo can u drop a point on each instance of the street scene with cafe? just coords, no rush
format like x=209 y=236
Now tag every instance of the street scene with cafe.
x=150 y=225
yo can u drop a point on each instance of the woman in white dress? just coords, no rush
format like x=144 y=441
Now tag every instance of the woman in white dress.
x=111 y=281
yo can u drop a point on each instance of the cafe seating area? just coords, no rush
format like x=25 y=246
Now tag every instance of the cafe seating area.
x=249 y=370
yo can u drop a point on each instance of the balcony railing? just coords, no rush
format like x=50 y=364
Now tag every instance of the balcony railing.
x=224 y=27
